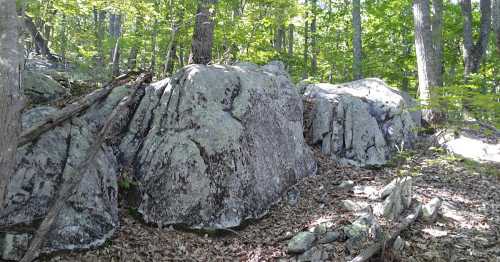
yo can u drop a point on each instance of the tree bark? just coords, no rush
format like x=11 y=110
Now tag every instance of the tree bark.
x=291 y=28
x=115 y=24
x=427 y=77
x=357 y=47
x=437 y=38
x=201 y=45
x=314 y=39
x=11 y=101
x=306 y=41
x=474 y=52
x=496 y=23
x=99 y=17
x=41 y=44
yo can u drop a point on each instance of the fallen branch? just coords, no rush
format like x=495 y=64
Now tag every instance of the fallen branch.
x=77 y=174
x=69 y=111
x=377 y=247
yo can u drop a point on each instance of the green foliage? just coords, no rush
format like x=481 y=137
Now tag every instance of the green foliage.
x=247 y=31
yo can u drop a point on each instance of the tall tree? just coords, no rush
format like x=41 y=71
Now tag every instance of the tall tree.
x=203 y=35
x=496 y=23
x=474 y=52
x=357 y=48
x=306 y=40
x=115 y=28
x=437 y=37
x=314 y=38
x=11 y=102
x=291 y=28
x=427 y=74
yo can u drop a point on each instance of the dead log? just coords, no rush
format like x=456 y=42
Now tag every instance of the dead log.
x=377 y=247
x=75 y=178
x=70 y=111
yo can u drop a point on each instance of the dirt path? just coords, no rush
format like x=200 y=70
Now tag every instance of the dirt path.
x=468 y=228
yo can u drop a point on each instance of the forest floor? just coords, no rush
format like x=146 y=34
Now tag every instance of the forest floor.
x=467 y=229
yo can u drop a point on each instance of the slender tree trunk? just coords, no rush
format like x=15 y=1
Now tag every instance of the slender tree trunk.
x=154 y=47
x=201 y=45
x=357 y=47
x=132 y=58
x=41 y=44
x=427 y=77
x=291 y=28
x=278 y=42
x=11 y=102
x=314 y=39
x=474 y=52
x=306 y=41
x=99 y=18
x=496 y=23
x=115 y=24
x=437 y=37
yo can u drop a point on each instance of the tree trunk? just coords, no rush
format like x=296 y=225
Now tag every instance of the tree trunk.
x=41 y=44
x=278 y=42
x=437 y=38
x=115 y=24
x=201 y=45
x=314 y=38
x=132 y=58
x=357 y=48
x=99 y=17
x=496 y=23
x=474 y=52
x=306 y=41
x=291 y=28
x=11 y=102
x=427 y=77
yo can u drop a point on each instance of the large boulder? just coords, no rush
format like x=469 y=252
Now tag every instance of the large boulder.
x=359 y=123
x=225 y=142
x=90 y=215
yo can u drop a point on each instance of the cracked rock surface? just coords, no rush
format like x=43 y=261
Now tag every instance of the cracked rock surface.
x=361 y=123
x=225 y=142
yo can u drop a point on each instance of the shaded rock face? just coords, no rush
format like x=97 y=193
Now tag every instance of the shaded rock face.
x=91 y=213
x=359 y=123
x=225 y=142
x=211 y=147
x=40 y=88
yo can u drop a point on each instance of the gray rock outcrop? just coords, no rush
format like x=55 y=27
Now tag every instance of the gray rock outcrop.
x=360 y=123
x=225 y=143
x=209 y=148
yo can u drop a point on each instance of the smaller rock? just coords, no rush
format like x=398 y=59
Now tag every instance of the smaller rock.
x=430 y=210
x=13 y=246
x=315 y=254
x=399 y=198
x=329 y=237
x=398 y=244
x=346 y=185
x=370 y=192
x=293 y=196
x=365 y=229
x=354 y=206
x=301 y=242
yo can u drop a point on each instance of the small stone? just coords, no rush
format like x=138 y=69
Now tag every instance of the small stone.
x=301 y=242
x=353 y=206
x=364 y=229
x=14 y=246
x=346 y=185
x=399 y=198
x=293 y=196
x=329 y=237
x=430 y=210
x=315 y=254
x=398 y=244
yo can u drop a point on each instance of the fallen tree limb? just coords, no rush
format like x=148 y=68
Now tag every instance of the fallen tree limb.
x=69 y=111
x=377 y=247
x=77 y=174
